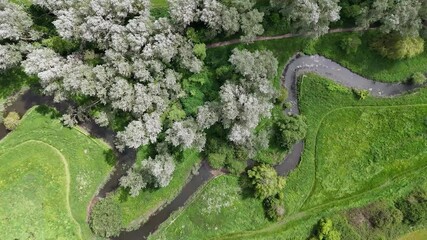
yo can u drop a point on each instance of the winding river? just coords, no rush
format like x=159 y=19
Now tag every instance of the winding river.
x=298 y=65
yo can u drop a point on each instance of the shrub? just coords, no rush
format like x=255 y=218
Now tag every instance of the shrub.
x=413 y=207
x=11 y=121
x=105 y=219
x=325 y=230
x=275 y=208
x=310 y=47
x=235 y=166
x=291 y=129
x=385 y=217
x=361 y=94
x=351 y=43
x=418 y=78
x=60 y=45
x=216 y=160
x=199 y=50
x=396 y=47
x=282 y=96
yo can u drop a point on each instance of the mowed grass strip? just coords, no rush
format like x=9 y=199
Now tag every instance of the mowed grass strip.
x=34 y=172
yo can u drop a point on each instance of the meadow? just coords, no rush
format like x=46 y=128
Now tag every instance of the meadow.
x=49 y=176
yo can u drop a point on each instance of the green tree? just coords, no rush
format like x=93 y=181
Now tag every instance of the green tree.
x=291 y=129
x=105 y=218
x=199 y=50
x=265 y=181
x=325 y=230
x=11 y=121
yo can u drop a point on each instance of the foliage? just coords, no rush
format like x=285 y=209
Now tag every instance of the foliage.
x=395 y=47
x=402 y=17
x=291 y=129
x=11 y=121
x=155 y=173
x=413 y=207
x=325 y=230
x=361 y=93
x=275 y=208
x=351 y=44
x=418 y=78
x=310 y=16
x=216 y=160
x=105 y=218
x=265 y=181
x=200 y=50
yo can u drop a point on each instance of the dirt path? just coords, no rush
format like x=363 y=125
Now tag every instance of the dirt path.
x=288 y=35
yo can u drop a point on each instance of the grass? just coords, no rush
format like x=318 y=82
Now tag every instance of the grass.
x=159 y=3
x=417 y=235
x=220 y=207
x=48 y=177
x=330 y=178
x=137 y=209
x=367 y=62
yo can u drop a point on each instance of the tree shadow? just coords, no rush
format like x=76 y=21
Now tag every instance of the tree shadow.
x=48 y=111
x=246 y=187
x=110 y=157
x=123 y=194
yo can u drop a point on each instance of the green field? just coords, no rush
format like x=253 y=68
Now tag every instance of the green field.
x=330 y=178
x=48 y=177
x=417 y=235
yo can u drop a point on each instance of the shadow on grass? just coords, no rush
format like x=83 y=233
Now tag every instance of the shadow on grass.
x=110 y=157
x=48 y=111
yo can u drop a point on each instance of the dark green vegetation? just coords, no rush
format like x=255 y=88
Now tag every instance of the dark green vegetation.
x=48 y=177
x=105 y=218
x=365 y=174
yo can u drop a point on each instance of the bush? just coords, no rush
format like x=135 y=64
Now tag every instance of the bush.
x=199 y=50
x=291 y=129
x=418 y=78
x=105 y=219
x=216 y=160
x=11 y=121
x=60 y=45
x=351 y=43
x=275 y=208
x=282 y=96
x=325 y=230
x=386 y=217
x=361 y=94
x=396 y=47
x=413 y=207
x=235 y=166
x=310 y=47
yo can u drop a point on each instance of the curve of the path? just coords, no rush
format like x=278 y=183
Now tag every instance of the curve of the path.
x=297 y=65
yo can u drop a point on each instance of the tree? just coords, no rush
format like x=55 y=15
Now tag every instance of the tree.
x=418 y=78
x=9 y=56
x=266 y=182
x=105 y=218
x=186 y=134
x=310 y=16
x=401 y=17
x=15 y=22
x=291 y=129
x=153 y=172
x=11 y=121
